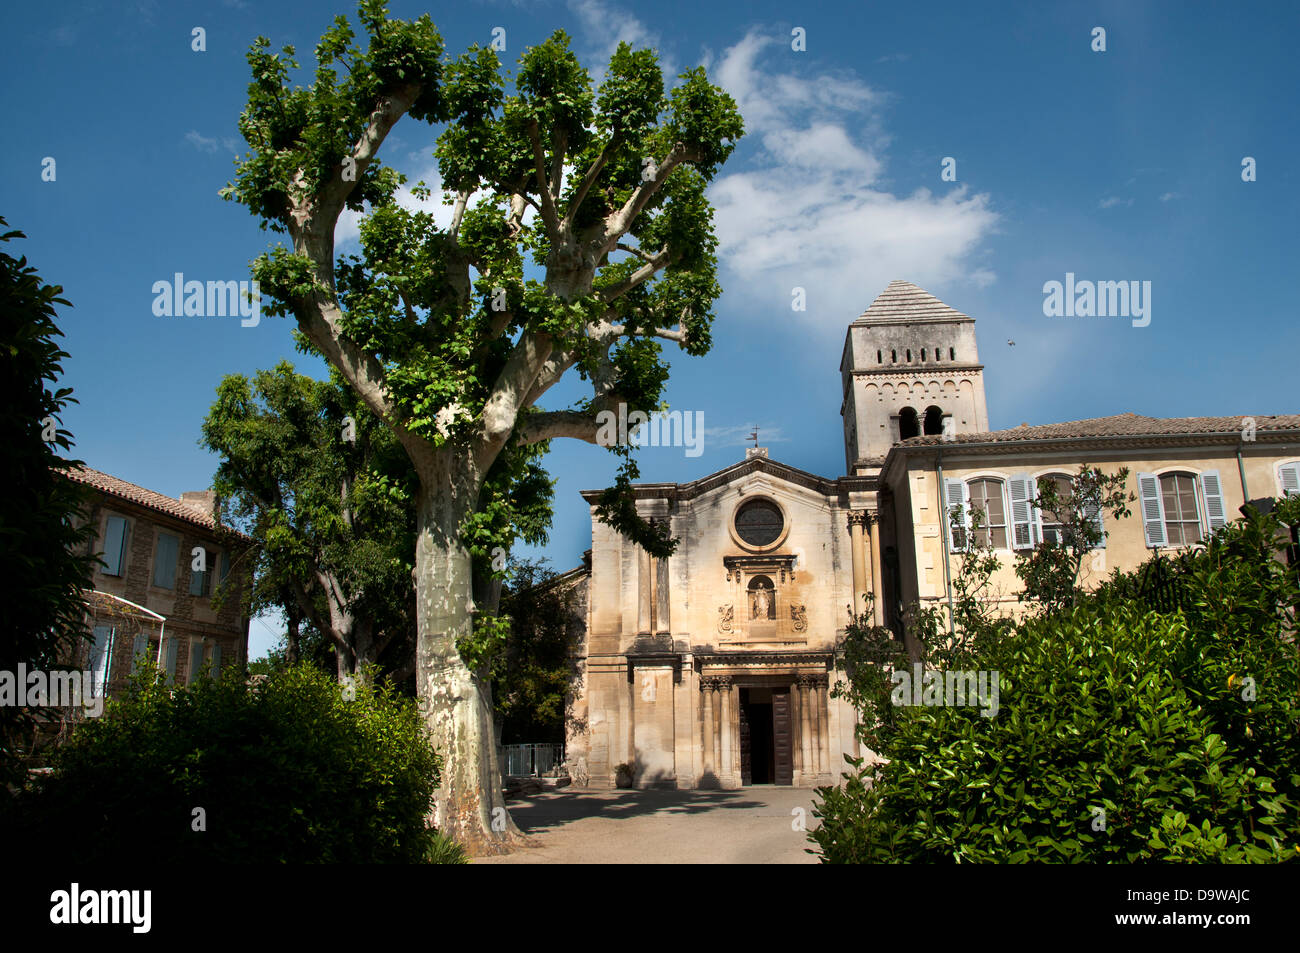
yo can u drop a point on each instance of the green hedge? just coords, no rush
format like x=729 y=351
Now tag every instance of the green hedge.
x=285 y=769
x=1123 y=735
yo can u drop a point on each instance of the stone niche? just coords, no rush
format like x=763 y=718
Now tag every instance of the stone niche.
x=765 y=606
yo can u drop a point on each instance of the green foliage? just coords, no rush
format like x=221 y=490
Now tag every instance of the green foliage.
x=530 y=678
x=43 y=543
x=1050 y=571
x=1123 y=735
x=286 y=769
x=328 y=495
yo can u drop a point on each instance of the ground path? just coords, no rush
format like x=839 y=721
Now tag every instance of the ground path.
x=754 y=825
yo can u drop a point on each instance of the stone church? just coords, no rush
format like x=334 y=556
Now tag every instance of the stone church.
x=714 y=668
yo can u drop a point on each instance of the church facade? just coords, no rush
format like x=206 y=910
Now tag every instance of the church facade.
x=715 y=668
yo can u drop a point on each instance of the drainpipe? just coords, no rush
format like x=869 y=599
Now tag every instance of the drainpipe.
x=943 y=535
x=1241 y=468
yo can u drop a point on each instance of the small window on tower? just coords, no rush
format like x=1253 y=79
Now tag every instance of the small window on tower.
x=952 y=354
x=879 y=359
x=922 y=355
x=909 y=355
x=893 y=357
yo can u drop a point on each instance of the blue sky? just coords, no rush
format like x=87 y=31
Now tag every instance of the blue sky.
x=1116 y=165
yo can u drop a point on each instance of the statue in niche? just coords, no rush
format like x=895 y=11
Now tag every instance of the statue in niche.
x=762 y=599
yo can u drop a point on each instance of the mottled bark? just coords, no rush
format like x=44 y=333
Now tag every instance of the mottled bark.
x=456 y=702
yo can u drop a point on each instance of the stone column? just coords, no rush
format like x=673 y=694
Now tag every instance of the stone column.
x=857 y=528
x=724 y=689
x=796 y=733
x=823 y=733
x=805 y=726
x=644 y=583
x=877 y=583
x=707 y=688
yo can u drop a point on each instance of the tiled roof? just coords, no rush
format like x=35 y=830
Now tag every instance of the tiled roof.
x=904 y=301
x=189 y=512
x=1120 y=425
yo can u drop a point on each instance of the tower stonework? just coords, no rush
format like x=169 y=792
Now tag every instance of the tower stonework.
x=910 y=367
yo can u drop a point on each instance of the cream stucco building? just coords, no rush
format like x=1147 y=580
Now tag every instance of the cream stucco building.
x=714 y=668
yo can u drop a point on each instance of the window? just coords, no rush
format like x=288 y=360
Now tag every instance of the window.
x=1052 y=522
x=922 y=354
x=762 y=599
x=759 y=522
x=1182 y=517
x=893 y=357
x=1172 y=512
x=196 y=660
x=201 y=579
x=225 y=566
x=1288 y=478
x=879 y=359
x=164 y=560
x=952 y=354
x=909 y=425
x=101 y=659
x=933 y=421
x=986 y=498
x=114 y=556
x=909 y=355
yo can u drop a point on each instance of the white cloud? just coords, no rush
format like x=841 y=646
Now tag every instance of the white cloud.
x=1168 y=196
x=606 y=26
x=200 y=142
x=738 y=435
x=1111 y=201
x=348 y=229
x=810 y=209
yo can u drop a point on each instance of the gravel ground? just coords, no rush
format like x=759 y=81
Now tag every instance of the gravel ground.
x=755 y=825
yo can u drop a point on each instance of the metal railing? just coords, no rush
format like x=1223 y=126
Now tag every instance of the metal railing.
x=531 y=760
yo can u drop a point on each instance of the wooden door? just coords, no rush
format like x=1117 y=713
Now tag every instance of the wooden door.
x=783 y=769
x=746 y=754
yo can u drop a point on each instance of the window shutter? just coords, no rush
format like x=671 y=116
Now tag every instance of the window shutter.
x=1213 y=499
x=1093 y=512
x=114 y=545
x=101 y=655
x=216 y=660
x=1288 y=477
x=1153 y=510
x=1022 y=512
x=139 y=647
x=955 y=494
x=164 y=569
x=169 y=659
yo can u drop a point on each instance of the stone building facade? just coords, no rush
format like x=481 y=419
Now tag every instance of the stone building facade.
x=163 y=564
x=716 y=667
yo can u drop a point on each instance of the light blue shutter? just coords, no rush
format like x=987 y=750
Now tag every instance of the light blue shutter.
x=1288 y=477
x=101 y=658
x=1214 y=511
x=216 y=660
x=955 y=494
x=1023 y=524
x=164 y=568
x=1153 y=509
x=114 y=545
x=139 y=647
x=199 y=580
x=169 y=660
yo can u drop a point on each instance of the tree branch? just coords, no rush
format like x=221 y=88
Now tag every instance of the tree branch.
x=656 y=262
x=588 y=180
x=549 y=215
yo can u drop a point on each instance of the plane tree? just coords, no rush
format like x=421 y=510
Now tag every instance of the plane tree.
x=578 y=240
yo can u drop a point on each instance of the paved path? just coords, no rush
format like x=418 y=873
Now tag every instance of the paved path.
x=751 y=826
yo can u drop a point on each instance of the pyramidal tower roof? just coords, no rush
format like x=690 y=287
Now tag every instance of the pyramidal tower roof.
x=904 y=303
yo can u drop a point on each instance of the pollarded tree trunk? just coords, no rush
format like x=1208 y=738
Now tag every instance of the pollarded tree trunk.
x=456 y=703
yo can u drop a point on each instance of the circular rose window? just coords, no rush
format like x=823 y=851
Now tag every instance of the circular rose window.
x=759 y=522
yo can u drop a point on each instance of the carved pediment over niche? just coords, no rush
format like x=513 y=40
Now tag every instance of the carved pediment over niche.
x=781 y=566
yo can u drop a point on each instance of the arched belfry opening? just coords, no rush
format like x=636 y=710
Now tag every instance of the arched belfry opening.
x=933 y=421
x=909 y=424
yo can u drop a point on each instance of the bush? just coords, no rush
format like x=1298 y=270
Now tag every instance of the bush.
x=285 y=770
x=1123 y=735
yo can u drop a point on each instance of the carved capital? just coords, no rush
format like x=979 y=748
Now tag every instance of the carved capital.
x=859 y=518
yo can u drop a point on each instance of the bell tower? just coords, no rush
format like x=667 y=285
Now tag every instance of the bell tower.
x=910 y=368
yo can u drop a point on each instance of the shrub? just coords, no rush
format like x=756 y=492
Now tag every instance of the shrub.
x=284 y=768
x=1123 y=734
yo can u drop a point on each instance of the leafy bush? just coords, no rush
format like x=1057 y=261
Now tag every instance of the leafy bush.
x=285 y=769
x=1123 y=734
